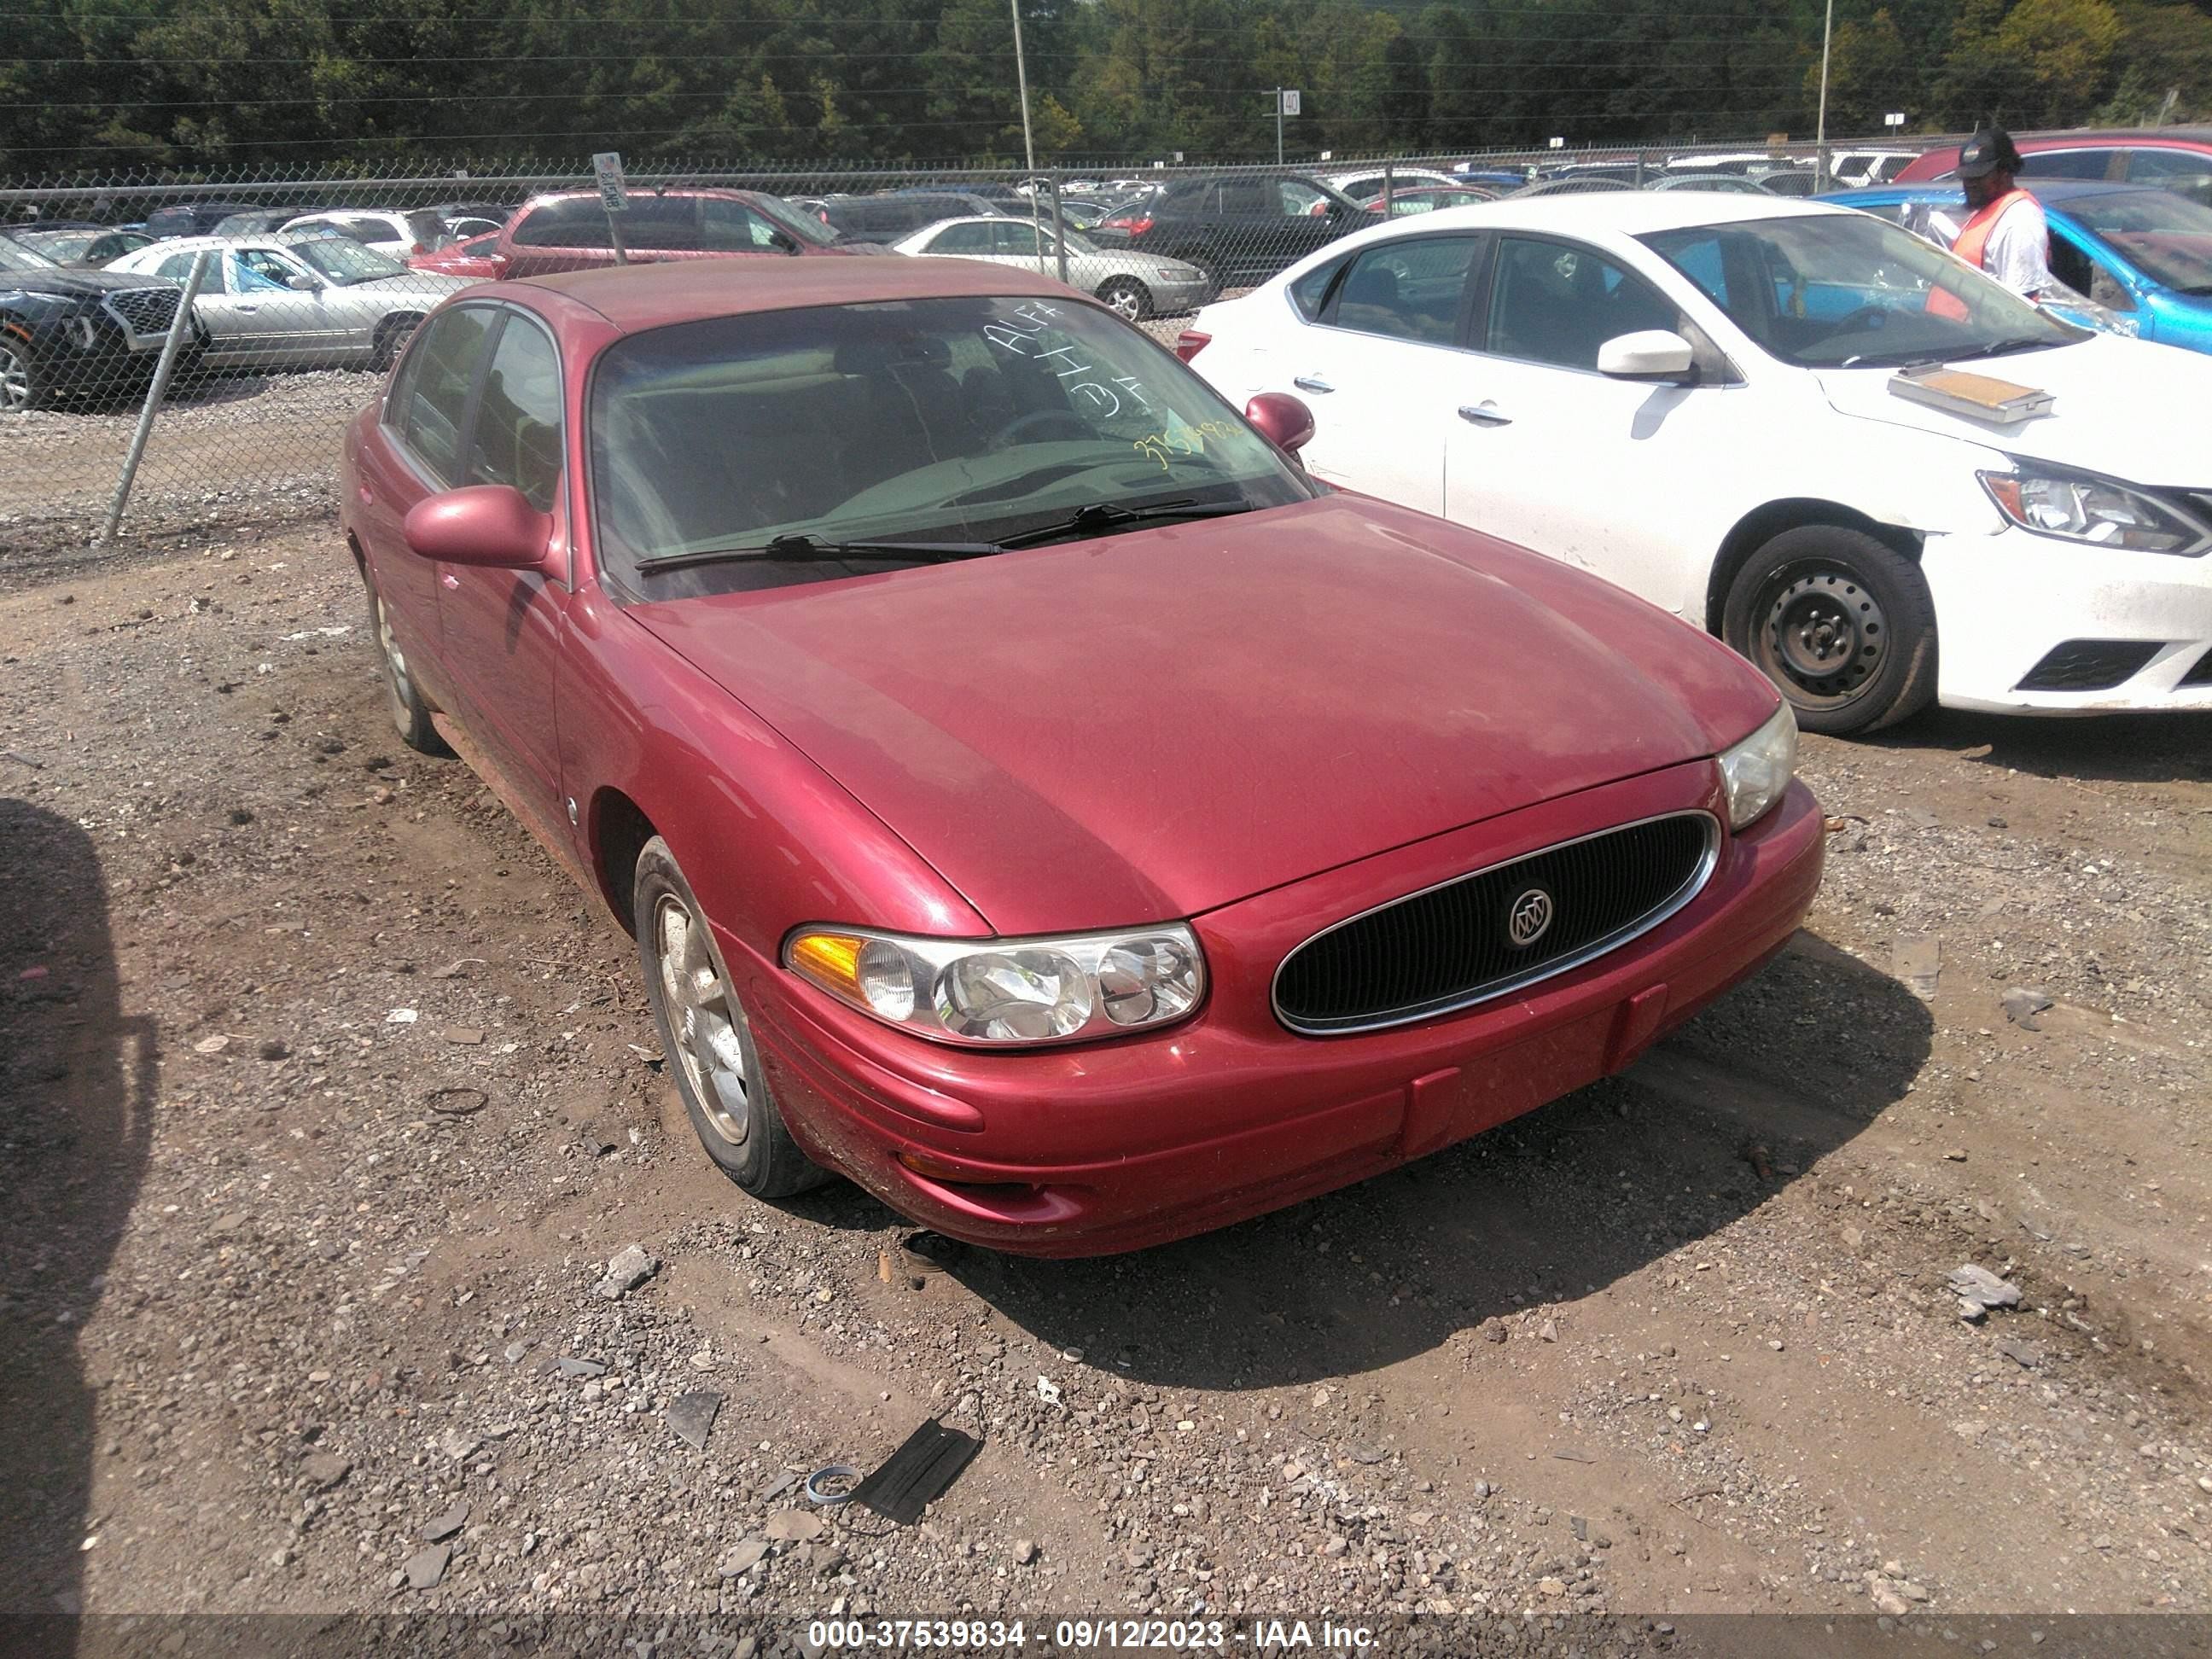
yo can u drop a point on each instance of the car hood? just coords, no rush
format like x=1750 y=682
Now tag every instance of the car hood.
x=2113 y=408
x=1152 y=724
x=76 y=281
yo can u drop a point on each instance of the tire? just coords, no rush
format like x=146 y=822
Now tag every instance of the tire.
x=706 y=1033
x=1128 y=297
x=391 y=338
x=1841 y=622
x=1211 y=267
x=410 y=715
x=23 y=384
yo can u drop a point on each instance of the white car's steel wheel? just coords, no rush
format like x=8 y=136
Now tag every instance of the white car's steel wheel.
x=707 y=1032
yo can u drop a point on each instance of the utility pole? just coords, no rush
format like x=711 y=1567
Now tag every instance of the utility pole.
x=1278 y=126
x=1022 y=77
x=1820 y=128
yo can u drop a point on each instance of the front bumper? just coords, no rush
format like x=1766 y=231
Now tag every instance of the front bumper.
x=2003 y=602
x=1116 y=1145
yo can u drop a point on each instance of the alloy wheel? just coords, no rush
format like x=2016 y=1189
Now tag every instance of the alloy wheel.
x=713 y=1043
x=14 y=379
x=399 y=689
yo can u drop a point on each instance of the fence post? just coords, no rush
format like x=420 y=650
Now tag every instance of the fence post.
x=1390 y=187
x=1639 y=168
x=1059 y=228
x=180 y=325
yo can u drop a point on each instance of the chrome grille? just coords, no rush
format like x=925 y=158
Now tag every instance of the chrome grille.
x=144 y=313
x=1450 y=946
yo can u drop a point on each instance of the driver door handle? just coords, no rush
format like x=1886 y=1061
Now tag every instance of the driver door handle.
x=1484 y=415
x=1311 y=383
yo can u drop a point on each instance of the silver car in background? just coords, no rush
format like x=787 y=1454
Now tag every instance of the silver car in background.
x=1138 y=285
x=294 y=301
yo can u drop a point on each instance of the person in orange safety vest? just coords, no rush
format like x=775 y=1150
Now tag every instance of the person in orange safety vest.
x=2007 y=236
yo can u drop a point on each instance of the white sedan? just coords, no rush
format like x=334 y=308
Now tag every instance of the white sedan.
x=1717 y=401
x=1138 y=285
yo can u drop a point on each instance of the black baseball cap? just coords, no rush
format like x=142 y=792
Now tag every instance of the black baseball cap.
x=1986 y=152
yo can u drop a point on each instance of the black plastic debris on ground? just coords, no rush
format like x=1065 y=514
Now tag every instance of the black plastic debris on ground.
x=918 y=1474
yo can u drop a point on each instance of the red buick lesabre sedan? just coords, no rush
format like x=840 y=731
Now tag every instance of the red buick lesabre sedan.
x=1033 y=797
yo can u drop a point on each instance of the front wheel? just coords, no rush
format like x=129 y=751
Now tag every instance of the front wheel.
x=1127 y=297
x=1841 y=622
x=707 y=1035
x=23 y=381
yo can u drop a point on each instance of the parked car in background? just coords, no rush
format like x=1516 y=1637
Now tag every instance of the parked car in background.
x=73 y=334
x=468 y=225
x=477 y=256
x=1080 y=215
x=1786 y=179
x=2141 y=255
x=1861 y=167
x=1428 y=198
x=886 y=219
x=261 y=221
x=1136 y=285
x=930 y=713
x=1729 y=184
x=194 y=218
x=1238 y=228
x=1694 y=396
x=2178 y=159
x=397 y=235
x=1582 y=185
x=90 y=249
x=1366 y=184
x=567 y=230
x=295 y=300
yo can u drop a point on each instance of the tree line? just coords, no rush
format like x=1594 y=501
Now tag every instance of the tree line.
x=99 y=84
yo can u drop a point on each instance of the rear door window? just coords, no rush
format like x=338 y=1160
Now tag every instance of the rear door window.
x=443 y=370
x=2185 y=172
x=2070 y=164
x=1408 y=290
x=579 y=221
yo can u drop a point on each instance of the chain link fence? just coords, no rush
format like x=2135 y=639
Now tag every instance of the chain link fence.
x=305 y=286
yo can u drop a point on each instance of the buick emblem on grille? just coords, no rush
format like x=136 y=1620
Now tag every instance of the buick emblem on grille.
x=1528 y=918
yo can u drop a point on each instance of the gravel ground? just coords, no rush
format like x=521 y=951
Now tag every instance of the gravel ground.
x=330 y=1100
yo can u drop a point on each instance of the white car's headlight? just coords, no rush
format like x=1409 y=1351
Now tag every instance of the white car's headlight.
x=2081 y=507
x=1757 y=770
x=993 y=992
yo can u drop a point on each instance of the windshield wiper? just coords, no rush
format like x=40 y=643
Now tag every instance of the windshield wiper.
x=1104 y=515
x=2022 y=342
x=799 y=549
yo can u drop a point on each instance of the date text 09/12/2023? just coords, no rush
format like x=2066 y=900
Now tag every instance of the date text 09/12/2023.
x=1088 y=1635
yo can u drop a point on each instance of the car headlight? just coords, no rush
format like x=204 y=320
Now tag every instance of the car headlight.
x=2081 y=507
x=1757 y=770
x=990 y=992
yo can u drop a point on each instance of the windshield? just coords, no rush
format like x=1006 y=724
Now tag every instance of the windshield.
x=807 y=230
x=958 y=419
x=1843 y=290
x=2168 y=237
x=344 y=261
x=13 y=255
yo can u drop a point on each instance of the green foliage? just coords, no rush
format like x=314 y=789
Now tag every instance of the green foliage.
x=366 y=83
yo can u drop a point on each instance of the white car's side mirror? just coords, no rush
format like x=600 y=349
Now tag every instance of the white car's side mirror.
x=1653 y=354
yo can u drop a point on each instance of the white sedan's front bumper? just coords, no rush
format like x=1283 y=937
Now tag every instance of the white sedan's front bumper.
x=2004 y=603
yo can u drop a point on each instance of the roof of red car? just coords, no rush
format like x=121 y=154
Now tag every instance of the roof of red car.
x=683 y=290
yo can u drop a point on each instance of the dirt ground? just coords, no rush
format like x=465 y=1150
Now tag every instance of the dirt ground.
x=327 y=1098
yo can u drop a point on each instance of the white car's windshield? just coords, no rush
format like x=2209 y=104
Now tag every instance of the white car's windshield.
x=13 y=255
x=1843 y=290
x=955 y=419
x=344 y=261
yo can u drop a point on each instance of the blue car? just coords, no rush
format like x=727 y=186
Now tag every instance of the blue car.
x=2141 y=256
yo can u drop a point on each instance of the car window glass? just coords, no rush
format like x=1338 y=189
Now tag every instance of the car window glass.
x=178 y=268
x=732 y=226
x=1246 y=196
x=1295 y=199
x=517 y=436
x=1012 y=236
x=1408 y=290
x=2185 y=172
x=444 y=366
x=1553 y=303
x=2167 y=237
x=260 y=271
x=363 y=229
x=578 y=222
x=963 y=238
x=1308 y=292
x=2065 y=164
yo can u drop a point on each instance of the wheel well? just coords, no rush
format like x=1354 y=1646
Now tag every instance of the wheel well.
x=619 y=832
x=360 y=558
x=1762 y=525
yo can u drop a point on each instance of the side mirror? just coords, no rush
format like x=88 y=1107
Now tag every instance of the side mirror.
x=300 y=281
x=1282 y=419
x=491 y=526
x=1654 y=354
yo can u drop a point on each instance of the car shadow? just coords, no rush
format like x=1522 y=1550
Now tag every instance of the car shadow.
x=2093 y=748
x=1571 y=1197
x=77 y=1098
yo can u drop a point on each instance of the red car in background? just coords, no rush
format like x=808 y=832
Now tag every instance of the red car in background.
x=567 y=230
x=2179 y=159
x=1032 y=796
x=1430 y=198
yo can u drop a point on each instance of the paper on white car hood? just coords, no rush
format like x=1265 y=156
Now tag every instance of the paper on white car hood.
x=2125 y=408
